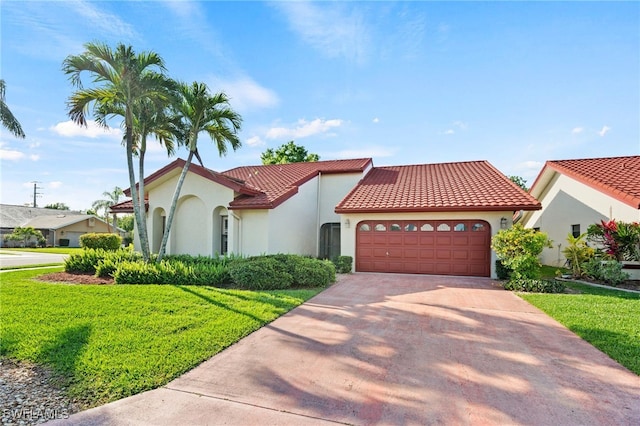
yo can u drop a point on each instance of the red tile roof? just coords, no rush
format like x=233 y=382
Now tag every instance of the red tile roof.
x=278 y=182
x=618 y=177
x=260 y=187
x=464 y=186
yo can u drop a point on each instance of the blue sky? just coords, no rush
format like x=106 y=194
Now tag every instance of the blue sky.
x=514 y=83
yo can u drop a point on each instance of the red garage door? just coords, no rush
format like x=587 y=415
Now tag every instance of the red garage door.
x=441 y=247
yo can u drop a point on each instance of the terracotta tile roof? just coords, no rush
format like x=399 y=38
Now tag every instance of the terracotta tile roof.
x=470 y=186
x=260 y=187
x=278 y=182
x=126 y=207
x=618 y=177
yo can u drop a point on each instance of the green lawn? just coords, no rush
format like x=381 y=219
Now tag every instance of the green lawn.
x=109 y=342
x=608 y=319
x=37 y=265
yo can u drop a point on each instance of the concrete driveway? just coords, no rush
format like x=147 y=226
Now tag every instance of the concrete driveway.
x=397 y=350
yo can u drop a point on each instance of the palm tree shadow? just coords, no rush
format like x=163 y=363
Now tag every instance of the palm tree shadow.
x=62 y=353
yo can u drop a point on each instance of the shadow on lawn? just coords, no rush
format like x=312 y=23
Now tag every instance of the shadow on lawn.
x=220 y=304
x=63 y=351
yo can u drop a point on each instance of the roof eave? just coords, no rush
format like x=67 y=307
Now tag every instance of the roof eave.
x=439 y=209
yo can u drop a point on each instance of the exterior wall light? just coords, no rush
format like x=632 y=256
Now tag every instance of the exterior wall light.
x=347 y=223
x=503 y=223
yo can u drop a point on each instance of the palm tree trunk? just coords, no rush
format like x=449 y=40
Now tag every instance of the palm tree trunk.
x=144 y=241
x=174 y=203
x=141 y=197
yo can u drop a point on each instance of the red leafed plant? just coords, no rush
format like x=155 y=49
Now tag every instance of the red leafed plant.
x=619 y=240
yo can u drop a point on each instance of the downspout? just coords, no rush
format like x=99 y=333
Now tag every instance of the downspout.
x=239 y=230
x=318 y=215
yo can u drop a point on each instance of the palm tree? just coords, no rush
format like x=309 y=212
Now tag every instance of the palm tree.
x=6 y=116
x=110 y=199
x=124 y=80
x=200 y=111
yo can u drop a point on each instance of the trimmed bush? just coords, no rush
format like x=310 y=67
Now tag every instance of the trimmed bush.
x=85 y=262
x=110 y=261
x=535 y=286
x=101 y=241
x=260 y=273
x=343 y=264
x=503 y=272
x=308 y=272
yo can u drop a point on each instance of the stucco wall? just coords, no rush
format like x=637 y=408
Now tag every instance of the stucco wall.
x=333 y=188
x=254 y=225
x=348 y=232
x=568 y=202
x=192 y=231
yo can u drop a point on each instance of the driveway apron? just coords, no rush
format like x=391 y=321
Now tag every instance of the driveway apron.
x=394 y=349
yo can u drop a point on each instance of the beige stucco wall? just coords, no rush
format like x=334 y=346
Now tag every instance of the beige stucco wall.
x=253 y=231
x=333 y=188
x=567 y=202
x=193 y=226
x=348 y=232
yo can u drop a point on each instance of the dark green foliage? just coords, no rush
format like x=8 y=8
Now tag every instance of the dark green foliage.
x=101 y=241
x=343 y=264
x=535 y=286
x=110 y=261
x=610 y=271
x=261 y=273
x=503 y=272
x=85 y=262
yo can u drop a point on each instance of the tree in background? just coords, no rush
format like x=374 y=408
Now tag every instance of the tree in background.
x=7 y=118
x=25 y=235
x=105 y=204
x=57 y=206
x=520 y=181
x=124 y=82
x=288 y=153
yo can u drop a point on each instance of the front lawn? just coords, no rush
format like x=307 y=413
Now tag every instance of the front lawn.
x=112 y=341
x=608 y=319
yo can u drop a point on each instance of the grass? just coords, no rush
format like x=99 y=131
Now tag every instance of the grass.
x=109 y=342
x=37 y=265
x=608 y=319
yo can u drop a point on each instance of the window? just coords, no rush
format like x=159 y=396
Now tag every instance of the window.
x=365 y=227
x=575 y=231
x=224 y=235
x=426 y=227
x=477 y=227
x=460 y=227
x=444 y=227
x=410 y=227
x=330 y=240
x=536 y=229
x=380 y=227
x=395 y=227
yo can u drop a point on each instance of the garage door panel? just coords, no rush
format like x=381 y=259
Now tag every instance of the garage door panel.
x=425 y=247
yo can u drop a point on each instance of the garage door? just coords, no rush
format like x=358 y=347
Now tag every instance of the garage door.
x=442 y=247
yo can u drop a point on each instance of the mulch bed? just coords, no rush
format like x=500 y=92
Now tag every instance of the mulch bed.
x=66 y=277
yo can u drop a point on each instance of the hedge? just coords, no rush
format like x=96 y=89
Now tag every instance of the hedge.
x=101 y=241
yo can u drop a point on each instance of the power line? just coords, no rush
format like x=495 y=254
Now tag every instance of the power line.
x=36 y=194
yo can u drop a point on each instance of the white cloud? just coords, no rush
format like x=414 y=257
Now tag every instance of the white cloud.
x=245 y=94
x=255 y=141
x=304 y=129
x=604 y=131
x=55 y=184
x=34 y=157
x=376 y=120
x=92 y=130
x=577 y=130
x=107 y=23
x=449 y=132
x=461 y=125
x=11 y=155
x=335 y=29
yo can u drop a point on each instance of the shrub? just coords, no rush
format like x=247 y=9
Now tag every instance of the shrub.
x=620 y=240
x=84 y=262
x=577 y=253
x=110 y=261
x=535 y=286
x=518 y=248
x=609 y=271
x=343 y=264
x=101 y=241
x=260 y=273
x=308 y=272
x=502 y=271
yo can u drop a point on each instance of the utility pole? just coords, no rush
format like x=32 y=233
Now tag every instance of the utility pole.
x=36 y=194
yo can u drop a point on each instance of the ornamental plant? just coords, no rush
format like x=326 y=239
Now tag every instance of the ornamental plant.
x=577 y=253
x=620 y=240
x=518 y=249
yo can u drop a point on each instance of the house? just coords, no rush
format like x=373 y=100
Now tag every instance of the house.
x=577 y=193
x=429 y=218
x=59 y=227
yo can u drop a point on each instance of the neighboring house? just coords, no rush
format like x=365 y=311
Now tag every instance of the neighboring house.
x=430 y=218
x=578 y=193
x=59 y=227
